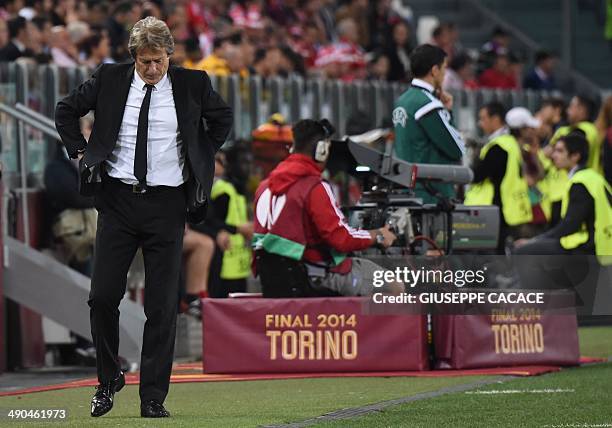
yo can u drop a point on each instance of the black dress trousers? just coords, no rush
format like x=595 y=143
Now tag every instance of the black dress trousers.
x=155 y=221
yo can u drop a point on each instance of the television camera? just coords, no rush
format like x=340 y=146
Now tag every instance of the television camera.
x=388 y=198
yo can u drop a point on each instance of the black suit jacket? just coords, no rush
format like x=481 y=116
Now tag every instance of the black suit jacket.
x=106 y=93
x=11 y=52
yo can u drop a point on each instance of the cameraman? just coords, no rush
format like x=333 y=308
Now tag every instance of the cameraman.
x=296 y=216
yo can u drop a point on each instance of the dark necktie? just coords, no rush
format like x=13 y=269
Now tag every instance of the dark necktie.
x=140 y=158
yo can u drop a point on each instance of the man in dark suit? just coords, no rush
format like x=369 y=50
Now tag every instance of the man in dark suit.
x=541 y=77
x=149 y=163
x=16 y=48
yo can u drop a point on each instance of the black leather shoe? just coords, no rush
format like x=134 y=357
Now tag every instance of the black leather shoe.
x=153 y=409
x=102 y=401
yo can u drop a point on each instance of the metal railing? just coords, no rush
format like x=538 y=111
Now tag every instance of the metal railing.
x=253 y=100
x=27 y=116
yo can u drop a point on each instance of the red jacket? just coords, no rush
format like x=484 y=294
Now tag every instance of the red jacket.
x=325 y=225
x=491 y=78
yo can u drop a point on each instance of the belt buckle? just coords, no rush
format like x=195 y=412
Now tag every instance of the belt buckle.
x=138 y=188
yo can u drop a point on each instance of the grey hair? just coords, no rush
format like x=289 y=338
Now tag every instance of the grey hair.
x=151 y=33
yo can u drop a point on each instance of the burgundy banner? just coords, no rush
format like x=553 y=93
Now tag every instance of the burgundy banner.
x=308 y=335
x=515 y=336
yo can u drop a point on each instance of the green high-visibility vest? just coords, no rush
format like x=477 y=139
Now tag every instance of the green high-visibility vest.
x=237 y=258
x=599 y=189
x=558 y=177
x=514 y=191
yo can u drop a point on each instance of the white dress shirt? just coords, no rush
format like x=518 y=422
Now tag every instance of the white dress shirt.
x=165 y=150
x=504 y=130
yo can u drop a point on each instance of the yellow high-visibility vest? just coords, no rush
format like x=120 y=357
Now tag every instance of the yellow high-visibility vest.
x=558 y=178
x=237 y=258
x=513 y=189
x=545 y=185
x=599 y=189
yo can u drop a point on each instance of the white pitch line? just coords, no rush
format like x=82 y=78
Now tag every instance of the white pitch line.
x=521 y=391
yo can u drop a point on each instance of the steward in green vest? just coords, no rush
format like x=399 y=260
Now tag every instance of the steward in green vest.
x=579 y=113
x=586 y=209
x=498 y=176
x=424 y=132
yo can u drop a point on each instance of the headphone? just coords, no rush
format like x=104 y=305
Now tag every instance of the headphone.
x=321 y=151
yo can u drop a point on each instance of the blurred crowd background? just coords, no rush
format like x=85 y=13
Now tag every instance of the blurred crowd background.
x=348 y=40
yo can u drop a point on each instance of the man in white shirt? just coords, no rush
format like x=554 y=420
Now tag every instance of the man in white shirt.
x=149 y=163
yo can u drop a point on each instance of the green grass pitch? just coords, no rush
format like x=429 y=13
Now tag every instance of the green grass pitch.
x=584 y=396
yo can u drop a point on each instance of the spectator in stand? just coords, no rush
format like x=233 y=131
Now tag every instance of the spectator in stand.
x=294 y=63
x=247 y=50
x=604 y=126
x=382 y=20
x=27 y=11
x=440 y=37
x=500 y=75
x=313 y=17
x=269 y=62
x=63 y=12
x=357 y=11
x=351 y=53
x=78 y=31
x=178 y=23
x=179 y=56
x=4 y=34
x=541 y=77
x=247 y=13
x=446 y=36
x=150 y=8
x=307 y=43
x=398 y=52
x=328 y=63
x=460 y=74
x=378 y=67
x=117 y=25
x=63 y=51
x=17 y=47
x=517 y=65
x=285 y=13
x=456 y=46
x=234 y=60
x=10 y=8
x=97 y=13
x=44 y=26
x=327 y=14
x=215 y=63
x=96 y=50
x=499 y=43
x=37 y=44
x=193 y=53
x=200 y=15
